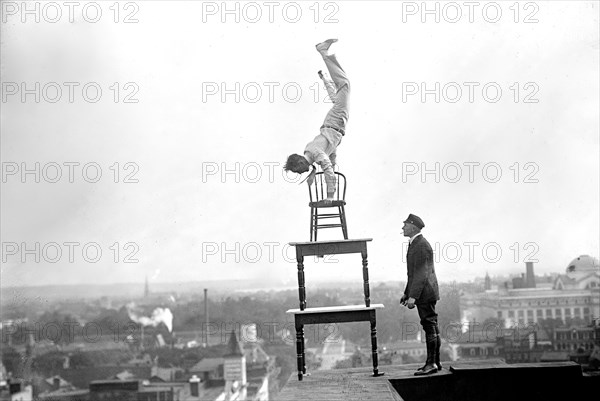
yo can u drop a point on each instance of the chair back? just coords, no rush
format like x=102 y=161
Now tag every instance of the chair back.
x=318 y=190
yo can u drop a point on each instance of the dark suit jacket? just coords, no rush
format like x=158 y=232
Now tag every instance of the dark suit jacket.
x=422 y=283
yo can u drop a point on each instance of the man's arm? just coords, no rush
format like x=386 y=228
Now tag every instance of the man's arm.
x=405 y=297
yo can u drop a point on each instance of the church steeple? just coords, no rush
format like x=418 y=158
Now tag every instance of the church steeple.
x=488 y=282
x=235 y=370
x=234 y=349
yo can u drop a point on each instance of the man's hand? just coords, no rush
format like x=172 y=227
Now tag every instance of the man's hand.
x=410 y=303
x=403 y=299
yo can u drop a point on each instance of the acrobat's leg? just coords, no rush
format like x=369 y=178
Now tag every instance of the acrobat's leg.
x=338 y=115
x=329 y=85
x=338 y=75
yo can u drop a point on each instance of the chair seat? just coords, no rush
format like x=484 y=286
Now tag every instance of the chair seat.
x=321 y=203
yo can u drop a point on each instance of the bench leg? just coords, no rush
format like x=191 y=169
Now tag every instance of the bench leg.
x=367 y=292
x=300 y=350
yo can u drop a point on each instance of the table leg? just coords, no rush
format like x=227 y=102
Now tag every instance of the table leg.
x=374 y=353
x=365 y=264
x=301 y=289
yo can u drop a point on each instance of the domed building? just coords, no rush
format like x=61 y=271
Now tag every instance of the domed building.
x=583 y=273
x=583 y=263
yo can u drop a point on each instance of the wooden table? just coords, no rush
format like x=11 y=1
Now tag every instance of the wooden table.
x=333 y=314
x=322 y=248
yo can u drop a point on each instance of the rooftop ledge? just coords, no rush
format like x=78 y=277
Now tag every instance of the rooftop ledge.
x=490 y=379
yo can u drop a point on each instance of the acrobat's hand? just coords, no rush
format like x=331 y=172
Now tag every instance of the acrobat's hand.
x=311 y=177
x=410 y=303
x=403 y=299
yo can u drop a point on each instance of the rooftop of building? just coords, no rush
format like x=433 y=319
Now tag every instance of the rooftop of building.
x=208 y=364
x=474 y=379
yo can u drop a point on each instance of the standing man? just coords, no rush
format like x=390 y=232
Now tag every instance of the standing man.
x=322 y=149
x=422 y=290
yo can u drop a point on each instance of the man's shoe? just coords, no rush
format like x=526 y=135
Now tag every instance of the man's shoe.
x=436 y=353
x=324 y=46
x=430 y=366
x=427 y=370
x=437 y=364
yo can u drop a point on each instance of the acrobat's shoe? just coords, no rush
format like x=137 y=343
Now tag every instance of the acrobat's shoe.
x=324 y=46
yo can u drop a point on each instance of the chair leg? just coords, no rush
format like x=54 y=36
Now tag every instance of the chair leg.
x=343 y=221
x=316 y=223
x=312 y=223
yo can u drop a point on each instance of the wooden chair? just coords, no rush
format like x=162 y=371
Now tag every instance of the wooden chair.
x=317 y=192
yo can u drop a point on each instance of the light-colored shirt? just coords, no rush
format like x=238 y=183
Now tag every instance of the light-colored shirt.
x=413 y=238
x=321 y=150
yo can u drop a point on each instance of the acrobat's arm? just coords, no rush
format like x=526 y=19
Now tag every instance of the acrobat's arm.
x=329 y=178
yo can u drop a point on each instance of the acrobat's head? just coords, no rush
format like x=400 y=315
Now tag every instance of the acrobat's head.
x=297 y=163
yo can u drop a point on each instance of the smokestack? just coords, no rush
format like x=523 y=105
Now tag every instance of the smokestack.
x=56 y=383
x=207 y=321
x=530 y=276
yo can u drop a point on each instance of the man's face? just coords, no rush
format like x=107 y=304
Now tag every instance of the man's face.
x=408 y=229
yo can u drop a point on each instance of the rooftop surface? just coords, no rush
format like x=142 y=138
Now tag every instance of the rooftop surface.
x=465 y=380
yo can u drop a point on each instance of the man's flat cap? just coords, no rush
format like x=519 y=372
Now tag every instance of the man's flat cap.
x=414 y=220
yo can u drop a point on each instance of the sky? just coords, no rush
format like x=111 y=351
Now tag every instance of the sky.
x=147 y=139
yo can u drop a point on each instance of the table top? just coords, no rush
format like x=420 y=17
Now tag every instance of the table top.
x=341 y=241
x=343 y=308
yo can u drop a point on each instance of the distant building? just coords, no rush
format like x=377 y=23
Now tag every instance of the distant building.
x=402 y=352
x=580 y=344
x=243 y=373
x=16 y=390
x=127 y=390
x=477 y=343
x=573 y=295
x=576 y=339
x=524 y=347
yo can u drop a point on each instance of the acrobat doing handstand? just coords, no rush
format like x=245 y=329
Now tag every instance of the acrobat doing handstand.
x=322 y=149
